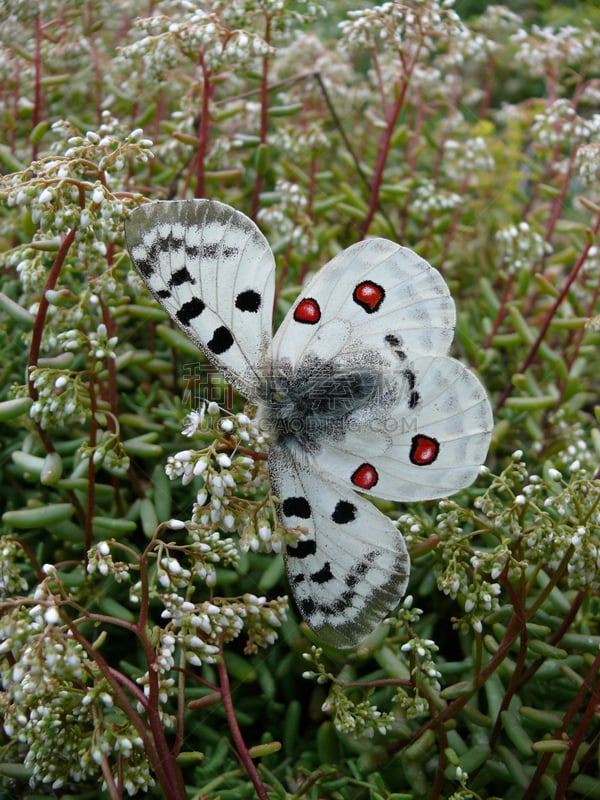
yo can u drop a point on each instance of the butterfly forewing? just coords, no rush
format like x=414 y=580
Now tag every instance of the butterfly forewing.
x=352 y=567
x=374 y=296
x=213 y=272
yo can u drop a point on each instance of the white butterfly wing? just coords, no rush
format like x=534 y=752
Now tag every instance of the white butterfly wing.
x=429 y=443
x=353 y=567
x=374 y=296
x=213 y=272
x=380 y=308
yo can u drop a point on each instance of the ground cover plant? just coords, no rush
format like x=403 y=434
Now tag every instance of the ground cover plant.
x=146 y=644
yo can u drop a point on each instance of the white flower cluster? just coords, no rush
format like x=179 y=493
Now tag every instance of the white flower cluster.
x=587 y=164
x=201 y=628
x=297 y=142
x=21 y=10
x=285 y=16
x=287 y=217
x=12 y=580
x=467 y=47
x=546 y=51
x=44 y=670
x=70 y=190
x=520 y=246
x=559 y=124
x=403 y=27
x=100 y=561
x=108 y=452
x=468 y=158
x=422 y=656
x=225 y=479
x=100 y=344
x=361 y=718
x=58 y=398
x=498 y=22
x=411 y=527
x=465 y=583
x=428 y=200
x=166 y=43
x=206 y=549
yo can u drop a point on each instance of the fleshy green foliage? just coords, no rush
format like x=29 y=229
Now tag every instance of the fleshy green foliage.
x=149 y=654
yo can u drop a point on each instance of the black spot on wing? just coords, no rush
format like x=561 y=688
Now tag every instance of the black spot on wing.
x=396 y=344
x=146 y=266
x=296 y=507
x=307 y=606
x=221 y=340
x=357 y=573
x=169 y=242
x=322 y=575
x=413 y=395
x=190 y=310
x=248 y=301
x=303 y=549
x=344 y=513
x=214 y=250
x=180 y=276
x=210 y=251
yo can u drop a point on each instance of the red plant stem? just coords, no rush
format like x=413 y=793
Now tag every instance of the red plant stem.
x=15 y=112
x=487 y=88
x=566 y=623
x=264 y=119
x=412 y=150
x=552 y=313
x=236 y=732
x=438 y=781
x=167 y=760
x=37 y=82
x=558 y=204
x=40 y=317
x=589 y=712
x=111 y=786
x=578 y=337
x=513 y=630
x=521 y=616
x=385 y=143
x=203 y=129
x=40 y=321
x=163 y=769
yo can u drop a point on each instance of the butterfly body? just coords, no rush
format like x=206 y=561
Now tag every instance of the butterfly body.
x=355 y=390
x=300 y=407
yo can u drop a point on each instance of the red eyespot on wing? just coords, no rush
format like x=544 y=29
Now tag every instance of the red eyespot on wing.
x=307 y=311
x=423 y=450
x=365 y=477
x=368 y=295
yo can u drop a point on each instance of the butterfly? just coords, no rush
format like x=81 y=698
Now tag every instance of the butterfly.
x=355 y=389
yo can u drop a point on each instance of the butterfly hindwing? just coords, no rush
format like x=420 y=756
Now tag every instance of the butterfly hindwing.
x=213 y=271
x=352 y=567
x=428 y=441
